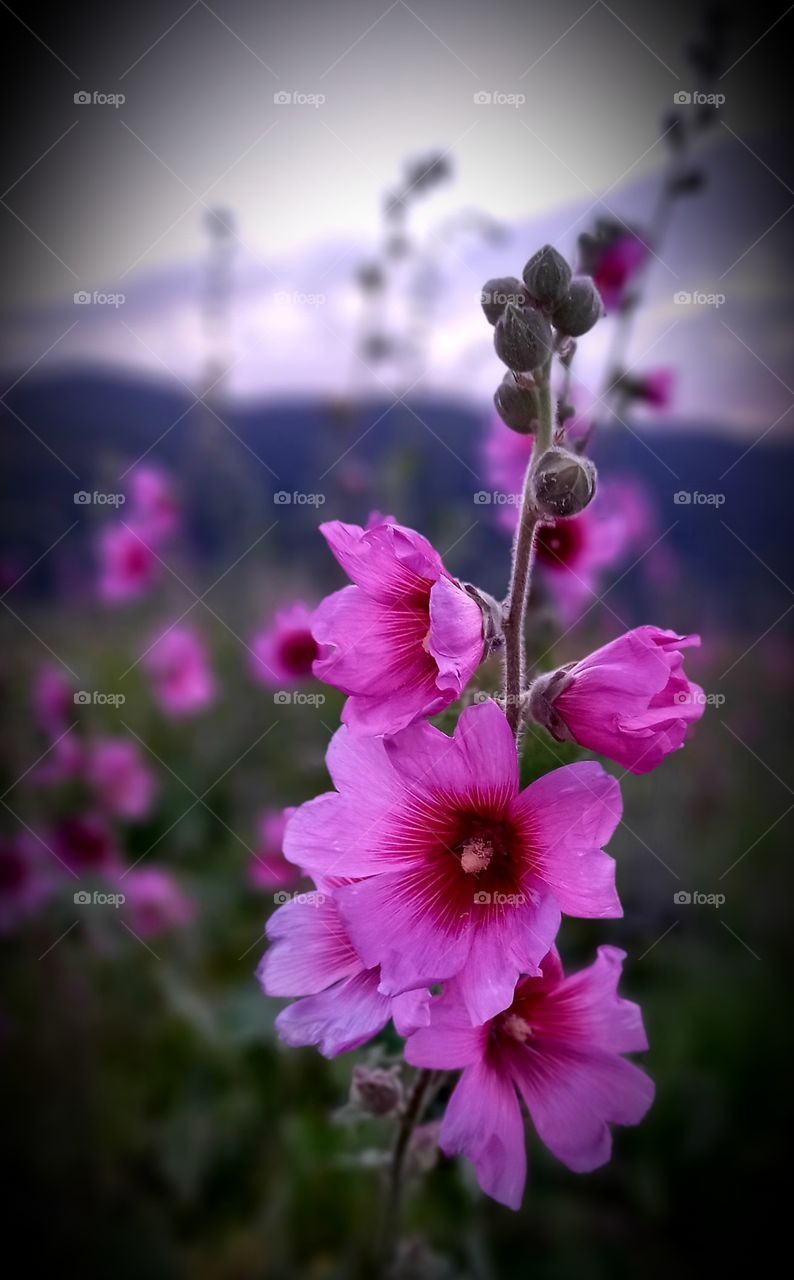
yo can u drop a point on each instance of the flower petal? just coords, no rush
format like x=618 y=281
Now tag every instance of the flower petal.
x=337 y=1020
x=483 y=1121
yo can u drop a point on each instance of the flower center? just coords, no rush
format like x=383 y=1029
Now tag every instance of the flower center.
x=516 y=1027
x=476 y=854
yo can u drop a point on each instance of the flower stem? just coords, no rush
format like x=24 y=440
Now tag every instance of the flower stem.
x=523 y=557
x=417 y=1100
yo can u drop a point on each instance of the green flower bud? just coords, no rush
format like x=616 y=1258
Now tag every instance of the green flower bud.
x=580 y=308
x=564 y=484
x=518 y=407
x=547 y=276
x=522 y=338
x=498 y=292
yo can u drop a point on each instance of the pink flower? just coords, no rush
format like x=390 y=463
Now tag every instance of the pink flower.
x=404 y=641
x=124 y=784
x=559 y=1045
x=269 y=868
x=312 y=956
x=153 y=502
x=630 y=700
x=182 y=678
x=506 y=455
x=467 y=875
x=573 y=554
x=655 y=388
x=155 y=901
x=26 y=881
x=284 y=651
x=615 y=264
x=86 y=845
x=129 y=565
x=64 y=761
x=53 y=700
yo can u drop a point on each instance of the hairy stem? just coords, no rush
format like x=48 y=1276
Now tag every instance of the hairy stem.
x=419 y=1097
x=523 y=557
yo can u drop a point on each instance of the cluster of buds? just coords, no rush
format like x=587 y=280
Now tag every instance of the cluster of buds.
x=533 y=318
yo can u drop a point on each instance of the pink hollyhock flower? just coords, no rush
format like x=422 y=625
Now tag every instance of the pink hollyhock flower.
x=656 y=388
x=312 y=956
x=123 y=782
x=506 y=455
x=153 y=502
x=404 y=641
x=269 y=868
x=86 y=845
x=560 y=1045
x=573 y=554
x=155 y=902
x=284 y=651
x=630 y=700
x=467 y=874
x=615 y=264
x=129 y=565
x=53 y=700
x=24 y=880
x=181 y=676
x=64 y=761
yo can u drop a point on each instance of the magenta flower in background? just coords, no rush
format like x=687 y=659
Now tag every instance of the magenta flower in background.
x=572 y=555
x=178 y=666
x=128 y=563
x=615 y=265
x=506 y=455
x=269 y=868
x=405 y=639
x=53 y=700
x=155 y=902
x=153 y=503
x=559 y=1046
x=343 y=1007
x=123 y=783
x=26 y=879
x=630 y=700
x=655 y=388
x=467 y=875
x=64 y=762
x=86 y=845
x=284 y=652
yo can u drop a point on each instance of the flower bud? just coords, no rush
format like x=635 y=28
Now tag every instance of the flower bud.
x=547 y=276
x=522 y=338
x=564 y=484
x=376 y=1092
x=538 y=702
x=518 y=407
x=498 y=292
x=579 y=309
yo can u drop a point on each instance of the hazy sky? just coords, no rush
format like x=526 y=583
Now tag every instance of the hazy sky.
x=122 y=189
